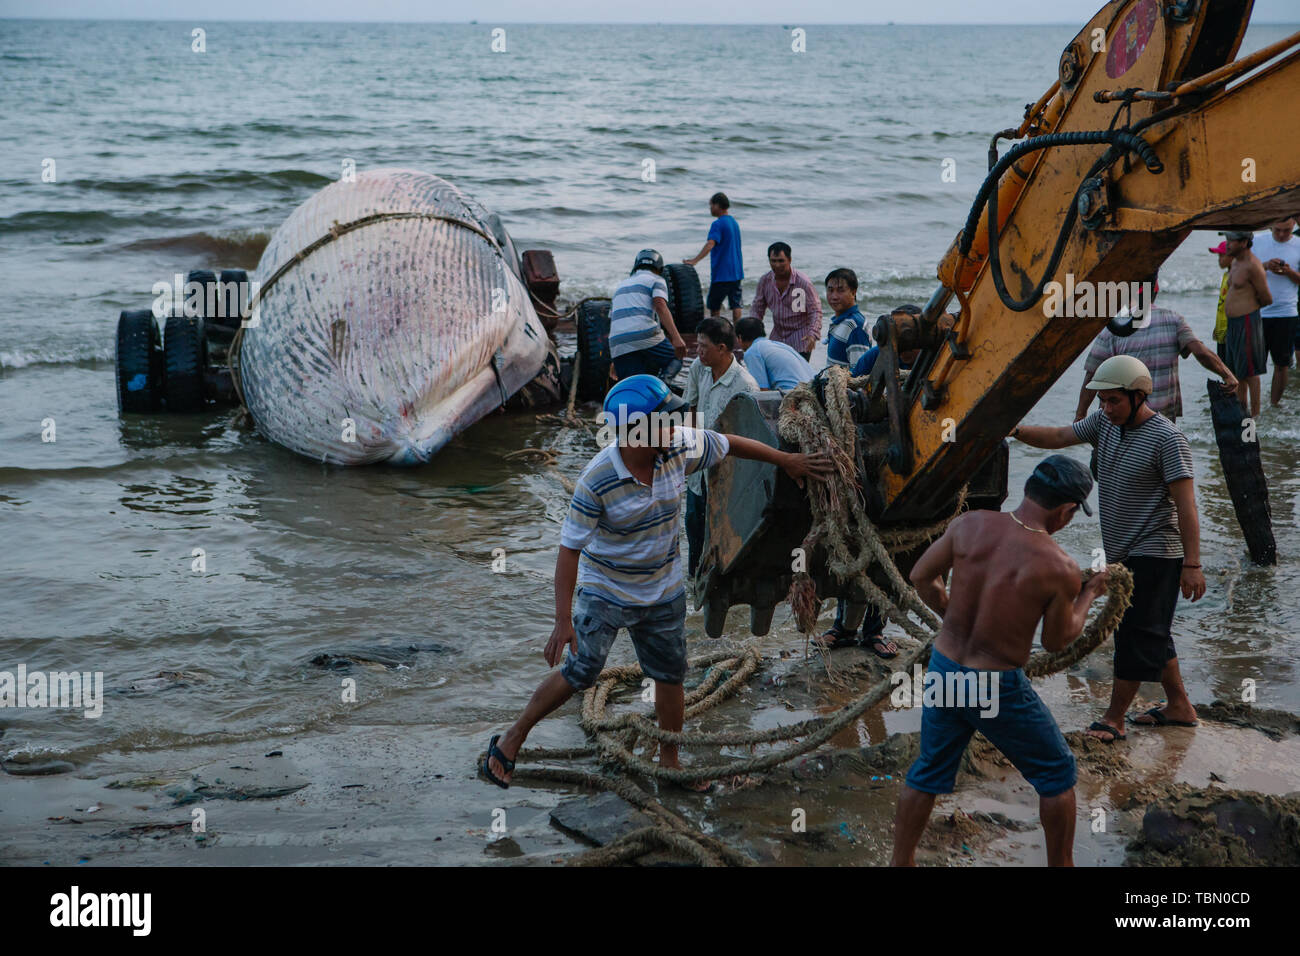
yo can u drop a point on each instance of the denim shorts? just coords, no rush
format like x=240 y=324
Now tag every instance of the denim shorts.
x=658 y=636
x=1023 y=729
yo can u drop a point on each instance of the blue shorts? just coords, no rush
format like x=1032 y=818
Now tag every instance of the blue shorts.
x=1021 y=727
x=658 y=635
x=724 y=290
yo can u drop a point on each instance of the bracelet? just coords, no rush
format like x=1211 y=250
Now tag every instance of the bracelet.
x=1016 y=432
x=1191 y=565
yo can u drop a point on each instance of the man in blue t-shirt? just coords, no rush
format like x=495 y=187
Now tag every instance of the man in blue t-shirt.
x=723 y=248
x=772 y=364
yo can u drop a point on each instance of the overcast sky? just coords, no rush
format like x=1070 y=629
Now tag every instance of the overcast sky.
x=792 y=12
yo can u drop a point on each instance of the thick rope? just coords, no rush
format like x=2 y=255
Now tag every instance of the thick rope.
x=839 y=519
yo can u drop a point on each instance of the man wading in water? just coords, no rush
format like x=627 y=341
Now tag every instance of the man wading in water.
x=1007 y=575
x=1149 y=522
x=619 y=544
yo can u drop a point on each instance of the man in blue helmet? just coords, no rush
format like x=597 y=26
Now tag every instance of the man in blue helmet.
x=642 y=334
x=619 y=545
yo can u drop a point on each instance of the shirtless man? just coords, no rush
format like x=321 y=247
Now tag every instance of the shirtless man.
x=1244 y=340
x=1008 y=575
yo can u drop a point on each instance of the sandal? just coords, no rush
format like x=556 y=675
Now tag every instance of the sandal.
x=836 y=638
x=1158 y=719
x=485 y=768
x=1106 y=729
x=878 y=643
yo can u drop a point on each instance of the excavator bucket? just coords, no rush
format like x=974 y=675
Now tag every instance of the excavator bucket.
x=758 y=520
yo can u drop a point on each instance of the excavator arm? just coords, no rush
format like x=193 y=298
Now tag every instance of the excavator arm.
x=1152 y=130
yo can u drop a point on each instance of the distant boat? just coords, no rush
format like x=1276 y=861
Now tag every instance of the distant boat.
x=392 y=317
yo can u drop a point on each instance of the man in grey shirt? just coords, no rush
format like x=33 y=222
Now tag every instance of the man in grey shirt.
x=1149 y=522
x=714 y=380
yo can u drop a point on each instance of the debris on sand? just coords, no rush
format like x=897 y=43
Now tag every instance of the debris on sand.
x=20 y=765
x=225 y=781
x=1189 y=826
x=167 y=680
x=598 y=820
x=389 y=657
x=1275 y=724
x=1100 y=758
x=137 y=783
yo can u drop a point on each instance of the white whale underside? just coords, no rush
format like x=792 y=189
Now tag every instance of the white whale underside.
x=383 y=343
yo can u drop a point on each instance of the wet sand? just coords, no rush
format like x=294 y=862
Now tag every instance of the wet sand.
x=368 y=793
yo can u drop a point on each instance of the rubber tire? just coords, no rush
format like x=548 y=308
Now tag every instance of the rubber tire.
x=185 y=357
x=221 y=330
x=138 y=353
x=685 y=297
x=207 y=278
x=1243 y=473
x=594 y=361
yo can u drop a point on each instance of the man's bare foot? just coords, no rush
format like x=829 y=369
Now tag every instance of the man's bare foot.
x=670 y=762
x=883 y=647
x=835 y=637
x=1106 y=733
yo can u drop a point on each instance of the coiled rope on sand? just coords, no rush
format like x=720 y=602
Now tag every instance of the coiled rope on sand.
x=853 y=544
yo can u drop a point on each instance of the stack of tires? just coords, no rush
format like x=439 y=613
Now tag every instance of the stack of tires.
x=168 y=366
x=592 y=363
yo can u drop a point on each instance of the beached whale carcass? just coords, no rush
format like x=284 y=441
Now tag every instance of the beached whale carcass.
x=390 y=316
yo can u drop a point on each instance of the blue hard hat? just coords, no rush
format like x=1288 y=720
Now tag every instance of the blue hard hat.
x=641 y=395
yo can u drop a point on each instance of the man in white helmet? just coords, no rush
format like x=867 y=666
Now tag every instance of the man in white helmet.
x=1149 y=523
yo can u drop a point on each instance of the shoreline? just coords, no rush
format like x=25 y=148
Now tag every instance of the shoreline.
x=376 y=794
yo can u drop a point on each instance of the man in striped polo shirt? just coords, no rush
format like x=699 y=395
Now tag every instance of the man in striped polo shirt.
x=1158 y=341
x=1149 y=522
x=642 y=334
x=619 y=545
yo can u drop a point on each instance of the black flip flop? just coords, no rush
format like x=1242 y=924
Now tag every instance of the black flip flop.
x=485 y=768
x=1160 y=720
x=875 y=643
x=838 y=638
x=1107 y=728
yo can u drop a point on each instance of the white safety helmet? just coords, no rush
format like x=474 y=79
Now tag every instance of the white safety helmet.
x=1122 y=371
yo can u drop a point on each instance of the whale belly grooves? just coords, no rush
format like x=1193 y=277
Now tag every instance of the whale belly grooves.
x=390 y=319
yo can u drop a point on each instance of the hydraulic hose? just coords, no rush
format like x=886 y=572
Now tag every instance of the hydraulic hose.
x=1119 y=142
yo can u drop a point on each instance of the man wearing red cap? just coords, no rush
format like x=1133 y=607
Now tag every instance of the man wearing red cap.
x=1159 y=339
x=1221 y=316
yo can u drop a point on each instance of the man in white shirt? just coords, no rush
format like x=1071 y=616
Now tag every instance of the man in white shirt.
x=714 y=380
x=1279 y=250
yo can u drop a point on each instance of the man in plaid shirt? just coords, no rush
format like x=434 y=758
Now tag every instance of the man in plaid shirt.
x=1160 y=339
x=796 y=308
